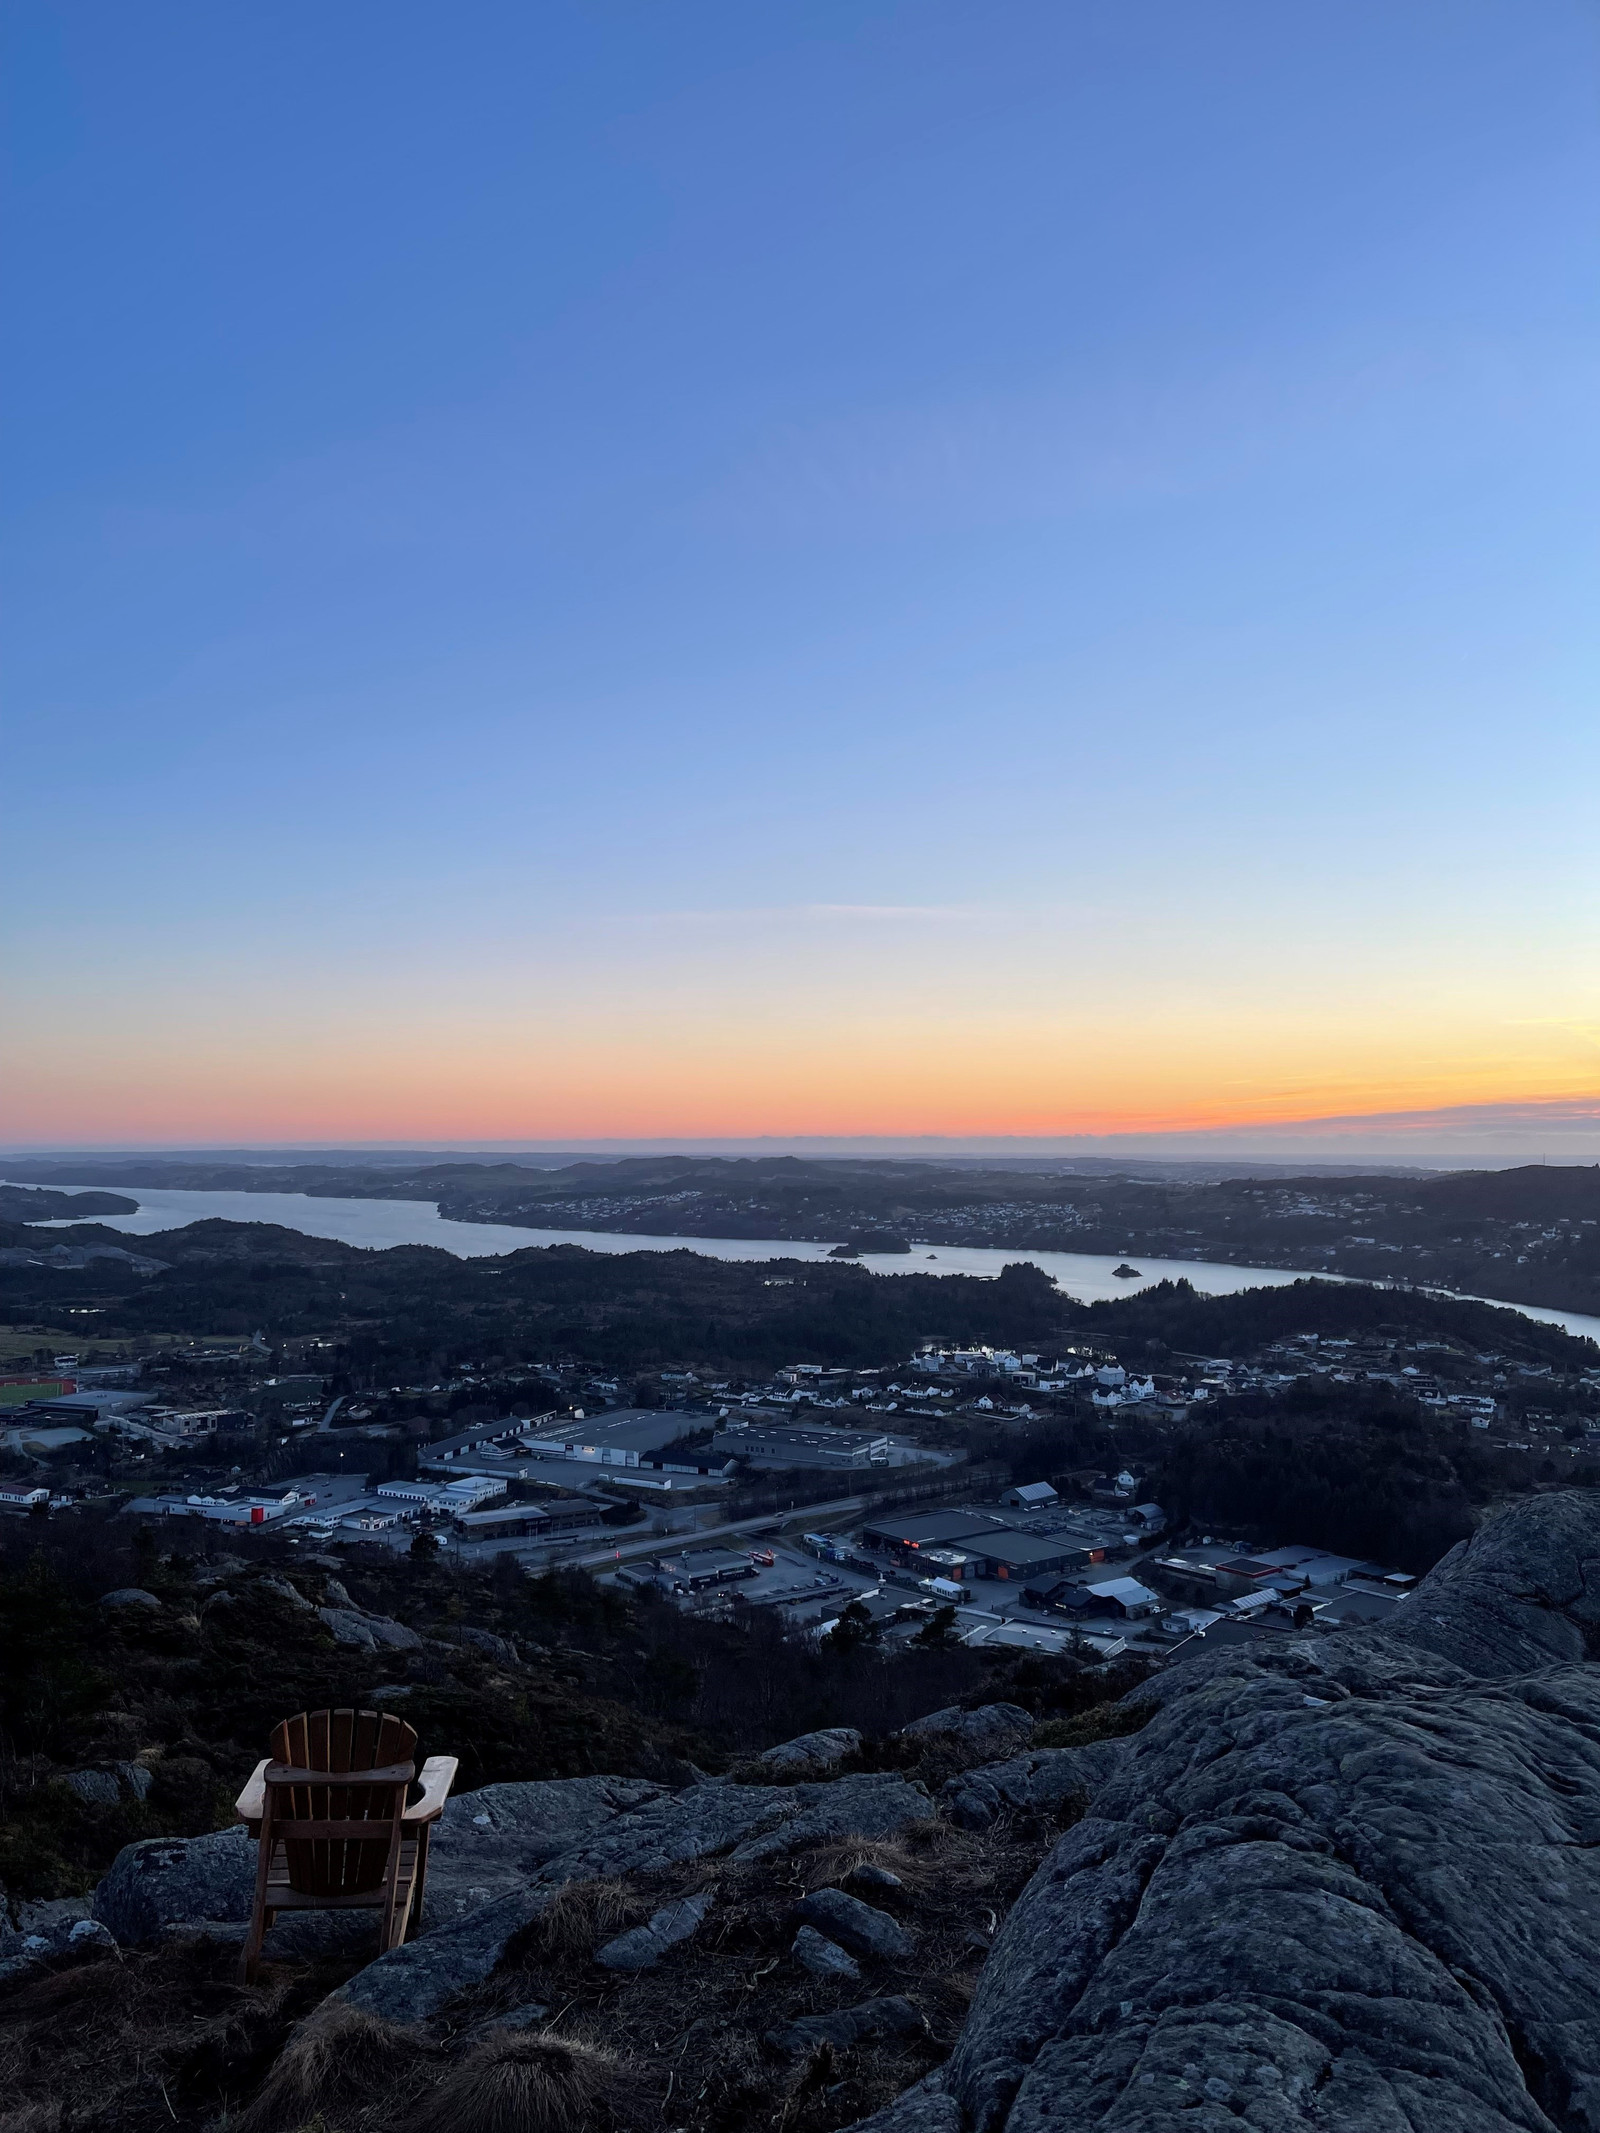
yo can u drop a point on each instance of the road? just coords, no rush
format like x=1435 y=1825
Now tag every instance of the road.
x=808 y=1517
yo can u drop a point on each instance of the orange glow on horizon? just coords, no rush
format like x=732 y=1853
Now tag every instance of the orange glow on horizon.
x=679 y=1098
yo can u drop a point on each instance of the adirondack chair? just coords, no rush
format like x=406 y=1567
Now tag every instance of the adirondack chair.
x=328 y=1808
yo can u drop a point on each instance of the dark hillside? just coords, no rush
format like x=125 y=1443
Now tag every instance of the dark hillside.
x=585 y=1680
x=1538 y=1192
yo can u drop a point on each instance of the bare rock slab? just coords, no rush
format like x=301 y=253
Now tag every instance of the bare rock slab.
x=644 y=1947
x=1040 y=1782
x=707 y=1820
x=855 y=1925
x=894 y=2017
x=813 y=1951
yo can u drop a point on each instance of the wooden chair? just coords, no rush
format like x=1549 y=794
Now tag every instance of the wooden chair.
x=328 y=1808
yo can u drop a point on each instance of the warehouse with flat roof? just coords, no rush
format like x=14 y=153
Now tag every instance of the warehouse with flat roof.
x=1022 y=1555
x=904 y=1532
x=620 y=1438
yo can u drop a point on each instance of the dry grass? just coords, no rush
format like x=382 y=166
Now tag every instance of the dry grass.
x=696 y=2026
x=834 y=1863
x=579 y=1918
x=32 y=2118
x=131 y=2044
x=516 y=2082
x=334 y=2065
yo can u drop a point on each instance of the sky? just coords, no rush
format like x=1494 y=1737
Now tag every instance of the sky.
x=894 y=568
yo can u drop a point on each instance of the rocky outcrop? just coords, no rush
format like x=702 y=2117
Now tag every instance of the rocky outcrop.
x=94 y=1788
x=129 y=1596
x=1040 y=1783
x=367 y=1632
x=812 y=1754
x=171 y=1881
x=1348 y=1884
x=895 y=2017
x=491 y=1842
x=499 y=1649
x=706 y=1820
x=486 y=1843
x=994 y=1729
x=47 y=1932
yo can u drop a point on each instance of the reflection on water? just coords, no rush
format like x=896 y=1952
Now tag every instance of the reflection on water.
x=378 y=1224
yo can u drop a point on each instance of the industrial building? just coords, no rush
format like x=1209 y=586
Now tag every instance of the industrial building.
x=516 y=1521
x=621 y=1438
x=776 y=1445
x=1022 y=1555
x=902 y=1534
x=703 y=1570
x=1030 y=1496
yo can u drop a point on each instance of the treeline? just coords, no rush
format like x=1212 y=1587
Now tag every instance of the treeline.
x=1172 y=1317
x=1319 y=1466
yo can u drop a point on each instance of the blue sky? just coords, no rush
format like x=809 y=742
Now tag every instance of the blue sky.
x=846 y=568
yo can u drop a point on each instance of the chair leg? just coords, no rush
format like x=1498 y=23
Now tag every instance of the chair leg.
x=260 y=1914
x=419 y=1883
x=250 y=1954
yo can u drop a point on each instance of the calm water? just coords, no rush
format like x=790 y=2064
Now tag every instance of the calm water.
x=376 y=1224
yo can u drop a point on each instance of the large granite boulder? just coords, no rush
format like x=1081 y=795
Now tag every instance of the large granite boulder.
x=177 y=1881
x=994 y=1729
x=1349 y=1884
x=368 y=1632
x=500 y=1649
x=812 y=1754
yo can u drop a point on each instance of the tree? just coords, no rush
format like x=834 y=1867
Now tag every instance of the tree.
x=939 y=1631
x=854 y=1630
x=424 y=1551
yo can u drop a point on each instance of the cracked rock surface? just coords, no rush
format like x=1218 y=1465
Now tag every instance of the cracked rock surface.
x=1349 y=1884
x=1040 y=1781
x=707 y=1820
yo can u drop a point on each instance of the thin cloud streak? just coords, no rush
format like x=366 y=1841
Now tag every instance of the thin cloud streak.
x=765 y=914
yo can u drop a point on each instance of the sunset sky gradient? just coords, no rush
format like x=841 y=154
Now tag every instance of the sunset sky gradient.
x=879 y=568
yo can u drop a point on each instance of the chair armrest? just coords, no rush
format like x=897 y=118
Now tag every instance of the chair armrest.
x=251 y=1804
x=438 y=1775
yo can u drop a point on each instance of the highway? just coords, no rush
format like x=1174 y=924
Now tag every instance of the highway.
x=809 y=1517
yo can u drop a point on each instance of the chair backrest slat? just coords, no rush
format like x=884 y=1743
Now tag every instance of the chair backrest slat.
x=341 y=1739
x=333 y=1744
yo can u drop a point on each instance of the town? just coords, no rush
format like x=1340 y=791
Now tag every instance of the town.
x=944 y=1496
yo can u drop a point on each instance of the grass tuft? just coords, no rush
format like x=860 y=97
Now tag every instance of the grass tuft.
x=519 y=2083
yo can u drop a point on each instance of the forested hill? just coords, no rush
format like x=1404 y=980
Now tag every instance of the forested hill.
x=416 y=1308
x=1526 y=1235
x=22 y=1203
